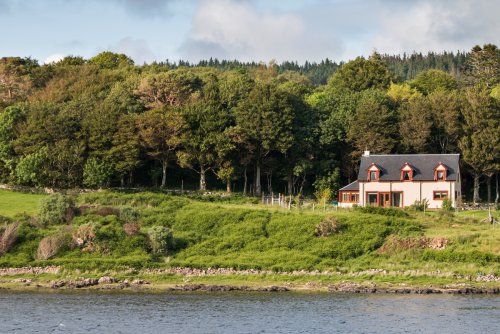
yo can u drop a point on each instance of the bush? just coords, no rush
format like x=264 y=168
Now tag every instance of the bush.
x=8 y=237
x=105 y=211
x=394 y=212
x=52 y=244
x=129 y=215
x=327 y=227
x=446 y=205
x=56 y=209
x=131 y=229
x=419 y=205
x=84 y=237
x=96 y=173
x=161 y=239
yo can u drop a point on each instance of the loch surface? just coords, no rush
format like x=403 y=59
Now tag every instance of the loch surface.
x=91 y=312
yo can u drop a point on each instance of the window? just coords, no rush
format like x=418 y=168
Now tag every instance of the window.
x=406 y=176
x=406 y=172
x=373 y=173
x=372 y=199
x=440 y=172
x=440 y=195
x=397 y=199
x=350 y=197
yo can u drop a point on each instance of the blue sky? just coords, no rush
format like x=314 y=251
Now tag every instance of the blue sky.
x=258 y=30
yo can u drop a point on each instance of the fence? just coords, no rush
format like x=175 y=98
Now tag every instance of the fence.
x=295 y=202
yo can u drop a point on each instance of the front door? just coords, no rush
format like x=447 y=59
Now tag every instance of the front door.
x=385 y=200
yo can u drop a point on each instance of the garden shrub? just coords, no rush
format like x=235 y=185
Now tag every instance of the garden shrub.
x=55 y=209
x=394 y=212
x=419 y=205
x=447 y=205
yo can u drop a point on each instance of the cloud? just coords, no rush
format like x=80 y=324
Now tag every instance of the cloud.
x=438 y=25
x=340 y=29
x=145 y=8
x=54 y=58
x=238 y=30
x=137 y=49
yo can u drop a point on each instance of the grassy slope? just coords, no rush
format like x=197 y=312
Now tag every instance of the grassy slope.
x=236 y=234
x=12 y=203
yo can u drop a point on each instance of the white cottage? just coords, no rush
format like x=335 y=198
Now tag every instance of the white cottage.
x=398 y=180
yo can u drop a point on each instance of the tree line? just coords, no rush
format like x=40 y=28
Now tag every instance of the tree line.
x=260 y=127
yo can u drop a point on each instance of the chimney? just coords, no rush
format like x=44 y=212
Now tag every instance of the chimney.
x=366 y=154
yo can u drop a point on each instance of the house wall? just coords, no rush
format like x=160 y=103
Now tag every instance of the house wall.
x=412 y=191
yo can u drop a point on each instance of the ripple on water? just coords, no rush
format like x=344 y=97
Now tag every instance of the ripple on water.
x=245 y=313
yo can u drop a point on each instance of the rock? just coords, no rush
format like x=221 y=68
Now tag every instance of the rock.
x=106 y=280
x=86 y=282
x=139 y=282
x=57 y=284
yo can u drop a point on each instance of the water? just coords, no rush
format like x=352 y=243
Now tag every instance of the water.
x=91 y=312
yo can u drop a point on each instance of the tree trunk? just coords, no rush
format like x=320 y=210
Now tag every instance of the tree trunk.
x=203 y=181
x=164 y=173
x=269 y=177
x=302 y=184
x=497 y=197
x=245 y=185
x=488 y=185
x=122 y=181
x=228 y=185
x=290 y=183
x=476 y=197
x=258 y=189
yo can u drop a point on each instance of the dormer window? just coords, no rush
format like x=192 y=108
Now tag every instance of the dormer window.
x=406 y=172
x=373 y=173
x=440 y=172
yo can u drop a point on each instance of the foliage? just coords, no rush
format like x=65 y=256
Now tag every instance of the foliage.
x=161 y=239
x=419 y=205
x=329 y=226
x=54 y=209
x=362 y=74
x=8 y=236
x=52 y=244
x=103 y=122
x=29 y=170
x=96 y=173
x=447 y=205
x=393 y=212
x=433 y=80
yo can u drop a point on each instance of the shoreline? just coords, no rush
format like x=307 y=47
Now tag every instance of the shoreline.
x=185 y=280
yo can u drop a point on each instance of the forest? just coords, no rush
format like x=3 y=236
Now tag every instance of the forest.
x=245 y=127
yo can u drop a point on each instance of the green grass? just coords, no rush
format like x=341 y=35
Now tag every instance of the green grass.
x=238 y=233
x=13 y=203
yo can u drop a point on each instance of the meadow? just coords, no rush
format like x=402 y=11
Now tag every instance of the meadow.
x=119 y=230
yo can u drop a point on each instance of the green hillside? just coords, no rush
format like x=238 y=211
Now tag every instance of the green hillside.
x=113 y=230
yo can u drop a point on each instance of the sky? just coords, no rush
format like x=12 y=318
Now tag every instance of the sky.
x=246 y=30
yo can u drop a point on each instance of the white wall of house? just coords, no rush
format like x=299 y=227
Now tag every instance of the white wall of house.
x=412 y=191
